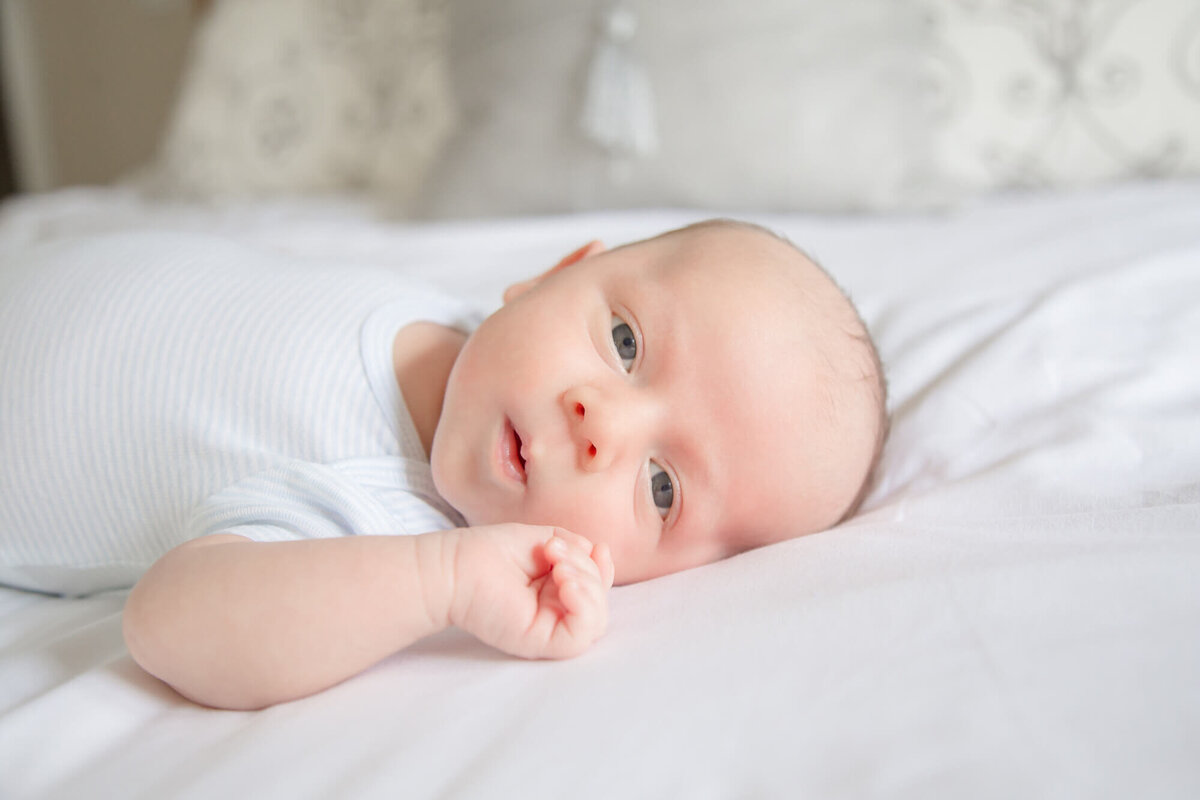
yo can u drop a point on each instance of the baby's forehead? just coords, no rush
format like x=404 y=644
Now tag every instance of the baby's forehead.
x=794 y=445
x=778 y=336
x=753 y=264
x=720 y=243
x=743 y=279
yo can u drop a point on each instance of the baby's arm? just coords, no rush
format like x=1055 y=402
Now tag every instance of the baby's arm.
x=239 y=624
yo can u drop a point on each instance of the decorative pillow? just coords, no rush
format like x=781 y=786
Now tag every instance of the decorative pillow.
x=760 y=104
x=1064 y=93
x=286 y=96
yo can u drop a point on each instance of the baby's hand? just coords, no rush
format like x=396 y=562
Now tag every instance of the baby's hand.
x=532 y=591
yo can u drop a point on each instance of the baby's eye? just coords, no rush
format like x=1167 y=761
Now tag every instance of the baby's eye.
x=661 y=489
x=624 y=341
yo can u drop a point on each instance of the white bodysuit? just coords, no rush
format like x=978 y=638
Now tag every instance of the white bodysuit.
x=159 y=387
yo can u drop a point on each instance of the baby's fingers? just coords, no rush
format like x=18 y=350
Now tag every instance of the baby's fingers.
x=565 y=544
x=577 y=553
x=602 y=557
x=580 y=592
x=585 y=620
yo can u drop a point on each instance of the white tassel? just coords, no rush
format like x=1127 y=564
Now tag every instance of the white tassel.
x=618 y=109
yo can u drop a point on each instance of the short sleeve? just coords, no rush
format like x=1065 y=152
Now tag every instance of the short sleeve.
x=299 y=500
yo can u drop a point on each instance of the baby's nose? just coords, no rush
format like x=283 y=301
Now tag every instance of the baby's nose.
x=593 y=428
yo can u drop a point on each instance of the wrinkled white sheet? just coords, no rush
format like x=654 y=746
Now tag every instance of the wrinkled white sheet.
x=1015 y=614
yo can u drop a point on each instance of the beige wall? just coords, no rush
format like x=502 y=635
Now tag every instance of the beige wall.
x=89 y=84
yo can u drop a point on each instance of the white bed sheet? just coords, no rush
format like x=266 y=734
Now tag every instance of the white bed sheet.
x=1015 y=614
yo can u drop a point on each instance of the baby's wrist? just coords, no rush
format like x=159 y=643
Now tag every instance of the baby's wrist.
x=436 y=554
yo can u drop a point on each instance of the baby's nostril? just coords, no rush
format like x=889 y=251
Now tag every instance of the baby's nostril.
x=579 y=409
x=591 y=450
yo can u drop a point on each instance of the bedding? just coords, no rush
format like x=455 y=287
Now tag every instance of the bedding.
x=1014 y=613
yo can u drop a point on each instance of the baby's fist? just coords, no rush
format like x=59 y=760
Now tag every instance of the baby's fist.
x=582 y=574
x=532 y=591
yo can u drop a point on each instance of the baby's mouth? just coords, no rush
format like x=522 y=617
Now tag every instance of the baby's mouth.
x=520 y=450
x=511 y=458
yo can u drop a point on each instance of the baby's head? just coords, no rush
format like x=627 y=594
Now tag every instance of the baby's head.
x=681 y=398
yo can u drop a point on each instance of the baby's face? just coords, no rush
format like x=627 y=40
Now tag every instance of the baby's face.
x=660 y=397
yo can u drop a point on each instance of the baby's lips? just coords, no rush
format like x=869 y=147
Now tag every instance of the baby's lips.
x=512 y=462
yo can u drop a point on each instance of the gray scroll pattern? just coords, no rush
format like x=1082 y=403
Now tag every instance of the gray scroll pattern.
x=1069 y=86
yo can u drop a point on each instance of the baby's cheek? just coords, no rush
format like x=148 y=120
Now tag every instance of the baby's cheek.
x=597 y=521
x=454 y=483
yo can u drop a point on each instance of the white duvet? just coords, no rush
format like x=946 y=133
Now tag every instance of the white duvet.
x=1015 y=614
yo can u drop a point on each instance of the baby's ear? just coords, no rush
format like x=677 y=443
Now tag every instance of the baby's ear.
x=592 y=248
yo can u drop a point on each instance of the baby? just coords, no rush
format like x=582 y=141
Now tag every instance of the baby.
x=627 y=414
